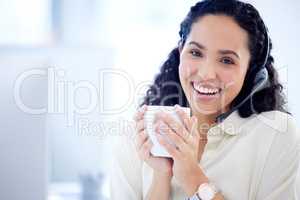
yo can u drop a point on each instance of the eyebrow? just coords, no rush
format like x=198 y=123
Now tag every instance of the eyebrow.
x=222 y=51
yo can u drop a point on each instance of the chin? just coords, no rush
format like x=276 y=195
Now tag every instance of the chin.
x=205 y=110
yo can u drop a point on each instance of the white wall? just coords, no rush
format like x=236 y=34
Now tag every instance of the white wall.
x=282 y=19
x=73 y=152
x=23 y=160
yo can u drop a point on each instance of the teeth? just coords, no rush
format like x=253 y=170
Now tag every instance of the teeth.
x=202 y=89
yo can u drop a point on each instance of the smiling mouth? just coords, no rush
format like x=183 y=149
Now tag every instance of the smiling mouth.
x=205 y=89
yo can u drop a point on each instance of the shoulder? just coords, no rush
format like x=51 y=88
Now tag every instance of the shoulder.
x=125 y=171
x=278 y=121
x=124 y=147
x=282 y=126
x=125 y=159
x=124 y=153
x=272 y=127
x=282 y=155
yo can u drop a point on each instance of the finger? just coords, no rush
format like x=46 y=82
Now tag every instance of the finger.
x=171 y=149
x=140 y=113
x=140 y=125
x=144 y=152
x=185 y=119
x=163 y=129
x=141 y=139
x=196 y=136
x=194 y=128
x=173 y=124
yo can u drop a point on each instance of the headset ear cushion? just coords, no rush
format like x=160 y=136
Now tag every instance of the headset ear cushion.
x=261 y=75
x=261 y=79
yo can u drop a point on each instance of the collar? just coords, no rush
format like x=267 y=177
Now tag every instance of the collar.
x=232 y=125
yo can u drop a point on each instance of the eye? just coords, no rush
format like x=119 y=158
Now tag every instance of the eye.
x=195 y=53
x=227 y=61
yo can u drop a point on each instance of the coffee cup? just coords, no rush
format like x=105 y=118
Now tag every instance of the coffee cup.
x=149 y=117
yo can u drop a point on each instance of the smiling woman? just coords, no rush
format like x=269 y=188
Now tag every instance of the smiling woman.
x=222 y=67
x=209 y=62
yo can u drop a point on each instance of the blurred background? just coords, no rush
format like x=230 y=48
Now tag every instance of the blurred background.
x=73 y=72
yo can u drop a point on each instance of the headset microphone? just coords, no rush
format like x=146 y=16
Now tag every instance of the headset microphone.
x=260 y=82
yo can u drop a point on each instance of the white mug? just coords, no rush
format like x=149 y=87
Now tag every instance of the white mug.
x=157 y=149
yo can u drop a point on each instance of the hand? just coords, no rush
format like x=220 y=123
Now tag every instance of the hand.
x=185 y=151
x=161 y=166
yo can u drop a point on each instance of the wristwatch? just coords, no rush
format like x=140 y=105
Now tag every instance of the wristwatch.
x=206 y=191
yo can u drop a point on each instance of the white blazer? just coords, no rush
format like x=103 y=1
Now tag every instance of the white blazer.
x=253 y=158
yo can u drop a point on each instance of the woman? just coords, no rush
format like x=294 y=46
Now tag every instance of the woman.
x=240 y=143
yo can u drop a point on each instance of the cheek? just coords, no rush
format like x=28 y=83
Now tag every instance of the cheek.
x=227 y=78
x=186 y=70
x=233 y=82
x=232 y=78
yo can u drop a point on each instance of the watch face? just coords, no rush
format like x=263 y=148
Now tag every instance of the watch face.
x=206 y=192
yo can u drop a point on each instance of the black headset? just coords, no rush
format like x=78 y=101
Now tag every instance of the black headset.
x=260 y=82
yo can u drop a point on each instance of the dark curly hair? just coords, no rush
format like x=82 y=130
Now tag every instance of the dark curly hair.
x=167 y=84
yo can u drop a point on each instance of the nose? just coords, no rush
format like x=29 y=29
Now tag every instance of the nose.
x=207 y=71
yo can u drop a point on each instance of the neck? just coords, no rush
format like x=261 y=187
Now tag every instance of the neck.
x=205 y=122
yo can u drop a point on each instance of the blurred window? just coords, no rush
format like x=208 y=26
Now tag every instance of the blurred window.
x=25 y=22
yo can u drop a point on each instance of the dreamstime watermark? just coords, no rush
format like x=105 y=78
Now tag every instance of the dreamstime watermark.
x=62 y=94
x=103 y=128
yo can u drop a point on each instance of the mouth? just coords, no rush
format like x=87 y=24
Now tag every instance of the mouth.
x=206 y=90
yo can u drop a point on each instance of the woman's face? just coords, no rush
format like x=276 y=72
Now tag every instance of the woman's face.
x=213 y=63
